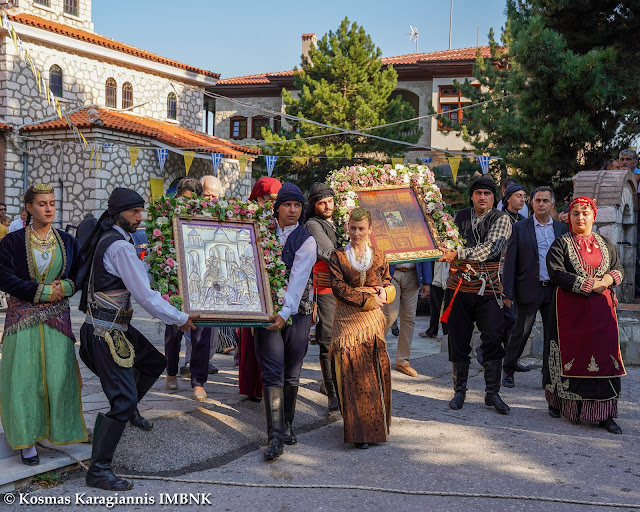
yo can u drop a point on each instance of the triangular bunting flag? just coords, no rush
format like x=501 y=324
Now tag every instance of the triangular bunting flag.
x=133 y=155
x=188 y=160
x=56 y=104
x=243 y=160
x=271 y=163
x=39 y=81
x=454 y=163
x=47 y=92
x=426 y=159
x=162 y=157
x=157 y=188
x=484 y=163
x=396 y=161
x=216 y=158
x=302 y=160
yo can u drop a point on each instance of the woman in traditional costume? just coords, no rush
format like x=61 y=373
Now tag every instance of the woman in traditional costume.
x=361 y=283
x=582 y=378
x=249 y=374
x=40 y=381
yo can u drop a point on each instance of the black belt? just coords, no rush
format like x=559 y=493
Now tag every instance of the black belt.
x=546 y=283
x=404 y=269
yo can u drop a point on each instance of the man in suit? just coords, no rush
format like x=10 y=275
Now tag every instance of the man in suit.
x=526 y=279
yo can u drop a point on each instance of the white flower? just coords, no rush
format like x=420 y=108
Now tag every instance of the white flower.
x=207 y=214
x=252 y=207
x=222 y=203
x=393 y=172
x=406 y=178
x=281 y=292
x=229 y=214
x=161 y=221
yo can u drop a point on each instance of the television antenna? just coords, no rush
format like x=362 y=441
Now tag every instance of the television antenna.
x=413 y=35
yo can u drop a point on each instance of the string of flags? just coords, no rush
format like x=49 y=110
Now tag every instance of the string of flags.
x=52 y=101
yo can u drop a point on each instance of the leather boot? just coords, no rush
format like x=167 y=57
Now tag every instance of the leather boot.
x=492 y=373
x=290 y=397
x=138 y=421
x=327 y=378
x=274 y=408
x=460 y=373
x=106 y=435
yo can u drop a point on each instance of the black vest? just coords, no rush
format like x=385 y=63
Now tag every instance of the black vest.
x=293 y=243
x=328 y=229
x=102 y=280
x=463 y=221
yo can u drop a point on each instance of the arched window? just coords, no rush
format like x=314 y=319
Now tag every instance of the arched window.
x=238 y=127
x=55 y=80
x=71 y=7
x=127 y=95
x=172 y=106
x=111 y=93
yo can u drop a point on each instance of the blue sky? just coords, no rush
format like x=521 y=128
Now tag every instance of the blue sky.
x=254 y=36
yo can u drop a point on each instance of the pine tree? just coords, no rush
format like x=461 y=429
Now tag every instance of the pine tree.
x=567 y=108
x=342 y=84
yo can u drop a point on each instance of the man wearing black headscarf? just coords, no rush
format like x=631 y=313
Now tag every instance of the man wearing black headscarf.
x=474 y=292
x=320 y=224
x=126 y=362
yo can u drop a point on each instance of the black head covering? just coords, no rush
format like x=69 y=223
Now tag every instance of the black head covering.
x=288 y=192
x=511 y=189
x=484 y=183
x=120 y=200
x=318 y=192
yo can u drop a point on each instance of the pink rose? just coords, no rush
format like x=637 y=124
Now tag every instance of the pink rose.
x=204 y=204
x=171 y=262
x=166 y=297
x=213 y=201
x=157 y=233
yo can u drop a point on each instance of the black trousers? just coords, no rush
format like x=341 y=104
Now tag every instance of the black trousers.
x=324 y=327
x=483 y=311
x=200 y=343
x=509 y=323
x=280 y=354
x=525 y=318
x=436 y=296
x=124 y=387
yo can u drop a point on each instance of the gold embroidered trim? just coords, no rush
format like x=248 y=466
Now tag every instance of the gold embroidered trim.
x=63 y=269
x=39 y=290
x=568 y=365
x=120 y=347
x=555 y=364
x=593 y=366
x=575 y=259
x=615 y=362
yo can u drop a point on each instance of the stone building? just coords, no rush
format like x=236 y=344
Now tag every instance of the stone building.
x=140 y=99
x=423 y=79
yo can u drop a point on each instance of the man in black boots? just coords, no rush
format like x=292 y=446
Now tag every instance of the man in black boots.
x=126 y=362
x=320 y=224
x=281 y=347
x=474 y=292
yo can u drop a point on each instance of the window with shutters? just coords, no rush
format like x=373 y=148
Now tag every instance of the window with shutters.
x=111 y=93
x=55 y=80
x=127 y=95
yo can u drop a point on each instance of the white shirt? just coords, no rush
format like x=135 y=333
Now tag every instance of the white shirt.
x=303 y=262
x=122 y=261
x=16 y=225
x=524 y=211
x=545 y=237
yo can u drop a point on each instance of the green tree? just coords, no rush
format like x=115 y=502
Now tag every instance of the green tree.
x=568 y=108
x=341 y=84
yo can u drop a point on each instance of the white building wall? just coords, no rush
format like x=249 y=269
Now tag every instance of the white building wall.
x=55 y=12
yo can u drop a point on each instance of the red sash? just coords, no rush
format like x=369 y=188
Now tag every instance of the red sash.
x=588 y=335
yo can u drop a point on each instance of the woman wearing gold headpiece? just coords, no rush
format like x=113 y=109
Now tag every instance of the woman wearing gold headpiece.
x=40 y=382
x=361 y=284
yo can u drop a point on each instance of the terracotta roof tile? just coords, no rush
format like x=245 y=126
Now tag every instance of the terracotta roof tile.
x=5 y=127
x=90 y=37
x=411 y=58
x=161 y=131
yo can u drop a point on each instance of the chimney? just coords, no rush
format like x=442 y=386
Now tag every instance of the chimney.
x=307 y=41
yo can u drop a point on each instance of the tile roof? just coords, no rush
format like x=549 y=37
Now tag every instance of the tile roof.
x=161 y=131
x=411 y=58
x=5 y=127
x=90 y=37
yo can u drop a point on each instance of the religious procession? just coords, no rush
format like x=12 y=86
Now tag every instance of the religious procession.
x=300 y=245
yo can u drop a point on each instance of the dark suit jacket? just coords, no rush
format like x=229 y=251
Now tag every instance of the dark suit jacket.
x=521 y=270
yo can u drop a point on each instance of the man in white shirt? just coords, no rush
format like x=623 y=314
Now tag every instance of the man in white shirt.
x=110 y=273
x=280 y=348
x=525 y=276
x=20 y=222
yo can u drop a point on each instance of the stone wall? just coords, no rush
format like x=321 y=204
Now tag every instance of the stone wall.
x=226 y=109
x=55 y=12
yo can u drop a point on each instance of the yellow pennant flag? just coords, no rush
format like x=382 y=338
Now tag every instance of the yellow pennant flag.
x=243 y=160
x=454 y=163
x=133 y=155
x=302 y=160
x=84 y=141
x=14 y=36
x=56 y=104
x=30 y=61
x=48 y=93
x=395 y=161
x=157 y=188
x=188 y=160
x=39 y=81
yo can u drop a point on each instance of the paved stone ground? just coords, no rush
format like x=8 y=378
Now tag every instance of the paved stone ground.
x=431 y=448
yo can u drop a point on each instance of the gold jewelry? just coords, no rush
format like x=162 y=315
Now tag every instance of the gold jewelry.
x=41 y=188
x=45 y=246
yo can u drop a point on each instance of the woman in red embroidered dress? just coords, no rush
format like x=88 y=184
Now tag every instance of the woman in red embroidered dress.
x=582 y=380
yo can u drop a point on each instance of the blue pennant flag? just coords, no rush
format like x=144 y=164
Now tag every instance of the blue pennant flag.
x=271 y=163
x=426 y=159
x=162 y=157
x=484 y=163
x=216 y=158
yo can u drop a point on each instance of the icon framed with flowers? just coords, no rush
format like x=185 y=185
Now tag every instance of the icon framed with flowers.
x=221 y=271
x=401 y=226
